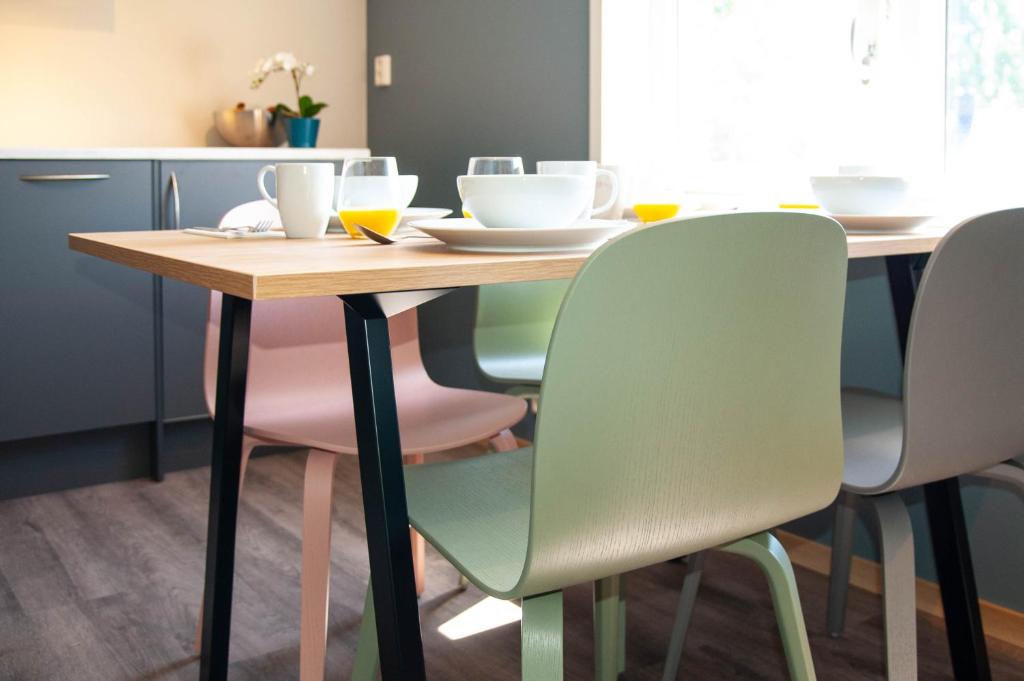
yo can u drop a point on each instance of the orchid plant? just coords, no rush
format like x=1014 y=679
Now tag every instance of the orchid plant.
x=286 y=61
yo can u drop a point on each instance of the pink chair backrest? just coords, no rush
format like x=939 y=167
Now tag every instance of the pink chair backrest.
x=297 y=348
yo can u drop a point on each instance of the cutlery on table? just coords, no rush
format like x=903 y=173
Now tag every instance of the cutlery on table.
x=385 y=240
x=261 y=226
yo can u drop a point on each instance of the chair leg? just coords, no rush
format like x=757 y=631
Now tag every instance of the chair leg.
x=316 y=563
x=608 y=628
x=249 y=443
x=542 y=637
x=419 y=545
x=896 y=541
x=367 y=651
x=504 y=441
x=842 y=557
x=766 y=551
x=622 y=624
x=684 y=611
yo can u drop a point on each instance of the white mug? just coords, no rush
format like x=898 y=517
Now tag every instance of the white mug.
x=588 y=169
x=305 y=197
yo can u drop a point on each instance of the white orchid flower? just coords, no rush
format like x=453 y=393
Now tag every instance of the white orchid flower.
x=309 y=69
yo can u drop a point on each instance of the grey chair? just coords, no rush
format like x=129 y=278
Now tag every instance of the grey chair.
x=961 y=412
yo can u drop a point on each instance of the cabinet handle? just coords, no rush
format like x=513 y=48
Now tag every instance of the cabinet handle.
x=175 y=201
x=64 y=178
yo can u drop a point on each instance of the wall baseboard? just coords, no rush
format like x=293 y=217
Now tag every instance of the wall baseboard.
x=1000 y=623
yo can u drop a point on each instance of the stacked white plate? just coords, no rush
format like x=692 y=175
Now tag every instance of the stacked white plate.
x=876 y=224
x=466 y=234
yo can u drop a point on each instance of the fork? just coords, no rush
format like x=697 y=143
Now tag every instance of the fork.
x=262 y=226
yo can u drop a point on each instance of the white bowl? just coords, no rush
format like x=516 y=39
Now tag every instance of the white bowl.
x=860 y=194
x=525 y=201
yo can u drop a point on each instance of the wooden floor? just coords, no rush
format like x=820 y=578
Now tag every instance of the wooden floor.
x=103 y=583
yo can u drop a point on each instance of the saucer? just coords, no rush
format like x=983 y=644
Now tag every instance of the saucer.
x=466 y=234
x=411 y=214
x=881 y=223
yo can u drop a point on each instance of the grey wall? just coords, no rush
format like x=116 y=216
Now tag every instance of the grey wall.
x=474 y=78
x=494 y=77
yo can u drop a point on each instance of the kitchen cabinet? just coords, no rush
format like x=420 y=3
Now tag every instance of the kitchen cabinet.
x=86 y=345
x=76 y=333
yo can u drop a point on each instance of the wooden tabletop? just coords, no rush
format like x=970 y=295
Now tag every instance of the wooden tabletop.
x=296 y=268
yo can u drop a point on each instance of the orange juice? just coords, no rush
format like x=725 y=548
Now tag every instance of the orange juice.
x=652 y=212
x=381 y=220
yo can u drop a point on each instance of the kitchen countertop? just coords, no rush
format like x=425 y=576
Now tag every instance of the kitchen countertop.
x=180 y=153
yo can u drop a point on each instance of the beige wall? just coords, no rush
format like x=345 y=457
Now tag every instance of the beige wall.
x=151 y=72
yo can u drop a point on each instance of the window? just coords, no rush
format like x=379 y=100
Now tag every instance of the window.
x=985 y=97
x=753 y=96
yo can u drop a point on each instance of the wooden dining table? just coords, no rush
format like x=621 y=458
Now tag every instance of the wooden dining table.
x=377 y=282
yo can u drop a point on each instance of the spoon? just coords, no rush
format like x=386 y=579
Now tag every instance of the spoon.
x=384 y=240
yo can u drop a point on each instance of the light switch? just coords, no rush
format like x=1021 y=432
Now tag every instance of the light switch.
x=382 y=70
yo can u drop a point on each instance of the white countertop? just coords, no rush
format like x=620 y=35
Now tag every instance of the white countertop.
x=181 y=153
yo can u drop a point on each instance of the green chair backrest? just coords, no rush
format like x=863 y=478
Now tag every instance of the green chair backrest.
x=513 y=327
x=691 y=394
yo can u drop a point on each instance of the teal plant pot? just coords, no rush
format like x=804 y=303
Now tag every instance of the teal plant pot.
x=302 y=132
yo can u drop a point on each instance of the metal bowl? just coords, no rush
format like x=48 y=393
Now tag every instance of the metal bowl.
x=249 y=128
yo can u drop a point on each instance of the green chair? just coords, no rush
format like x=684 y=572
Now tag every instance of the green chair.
x=513 y=329
x=719 y=339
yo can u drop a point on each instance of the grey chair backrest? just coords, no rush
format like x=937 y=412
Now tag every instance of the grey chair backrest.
x=964 y=375
x=690 y=395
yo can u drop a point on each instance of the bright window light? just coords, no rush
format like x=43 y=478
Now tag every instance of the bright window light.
x=490 y=613
x=752 y=96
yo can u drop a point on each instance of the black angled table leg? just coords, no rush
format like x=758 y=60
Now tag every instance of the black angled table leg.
x=945 y=520
x=384 y=504
x=956 y=578
x=225 y=471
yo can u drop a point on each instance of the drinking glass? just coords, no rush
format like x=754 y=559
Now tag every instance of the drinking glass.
x=655 y=199
x=370 y=194
x=371 y=166
x=493 y=165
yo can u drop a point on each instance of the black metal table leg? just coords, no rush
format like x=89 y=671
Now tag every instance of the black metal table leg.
x=956 y=578
x=384 y=504
x=232 y=363
x=945 y=520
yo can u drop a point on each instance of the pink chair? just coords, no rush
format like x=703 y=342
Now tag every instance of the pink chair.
x=299 y=393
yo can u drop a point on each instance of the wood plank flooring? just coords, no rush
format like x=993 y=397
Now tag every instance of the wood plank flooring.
x=103 y=584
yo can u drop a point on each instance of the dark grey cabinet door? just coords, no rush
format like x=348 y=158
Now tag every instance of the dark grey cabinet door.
x=205 y=191
x=76 y=332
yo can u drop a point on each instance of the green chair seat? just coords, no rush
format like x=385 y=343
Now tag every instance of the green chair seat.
x=476 y=512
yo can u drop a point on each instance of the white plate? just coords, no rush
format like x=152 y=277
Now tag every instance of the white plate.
x=881 y=223
x=411 y=214
x=464 y=234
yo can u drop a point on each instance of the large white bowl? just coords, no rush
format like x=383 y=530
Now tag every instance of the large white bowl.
x=860 y=194
x=525 y=201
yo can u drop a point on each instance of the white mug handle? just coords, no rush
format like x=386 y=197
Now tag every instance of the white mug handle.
x=263 y=187
x=614 y=180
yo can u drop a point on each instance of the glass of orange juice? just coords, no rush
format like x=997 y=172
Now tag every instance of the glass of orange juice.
x=655 y=196
x=493 y=165
x=370 y=195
